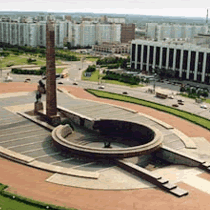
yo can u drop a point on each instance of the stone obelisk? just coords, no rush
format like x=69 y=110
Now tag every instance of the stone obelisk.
x=51 y=98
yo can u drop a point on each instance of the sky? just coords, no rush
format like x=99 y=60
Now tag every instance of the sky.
x=183 y=8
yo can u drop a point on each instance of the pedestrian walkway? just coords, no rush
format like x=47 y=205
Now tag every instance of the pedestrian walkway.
x=98 y=199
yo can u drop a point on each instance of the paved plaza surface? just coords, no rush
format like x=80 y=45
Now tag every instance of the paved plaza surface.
x=132 y=192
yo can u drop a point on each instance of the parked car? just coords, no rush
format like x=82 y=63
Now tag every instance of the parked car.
x=60 y=83
x=101 y=87
x=175 y=105
x=180 y=101
x=203 y=106
x=75 y=83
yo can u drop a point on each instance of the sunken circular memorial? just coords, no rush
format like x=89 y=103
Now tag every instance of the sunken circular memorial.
x=113 y=139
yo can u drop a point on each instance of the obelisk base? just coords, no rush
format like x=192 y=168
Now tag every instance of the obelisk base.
x=54 y=120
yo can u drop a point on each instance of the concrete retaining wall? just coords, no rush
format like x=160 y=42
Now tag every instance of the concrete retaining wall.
x=77 y=118
x=176 y=157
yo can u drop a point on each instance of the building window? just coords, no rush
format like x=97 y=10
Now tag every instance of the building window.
x=208 y=63
x=192 y=61
x=171 y=57
x=183 y=75
x=199 y=77
x=185 y=59
x=151 y=54
x=139 y=54
x=133 y=52
x=145 y=54
x=178 y=55
x=191 y=76
x=132 y=65
x=164 y=54
x=157 y=56
x=200 y=61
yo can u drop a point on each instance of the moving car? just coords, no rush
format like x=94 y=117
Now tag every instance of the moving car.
x=180 y=100
x=175 y=105
x=101 y=87
x=180 y=103
x=75 y=83
x=170 y=97
x=203 y=106
x=125 y=92
x=8 y=79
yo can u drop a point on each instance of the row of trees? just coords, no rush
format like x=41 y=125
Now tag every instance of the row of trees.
x=18 y=50
x=30 y=72
x=71 y=47
x=194 y=91
x=91 y=68
x=120 y=62
x=133 y=80
x=164 y=73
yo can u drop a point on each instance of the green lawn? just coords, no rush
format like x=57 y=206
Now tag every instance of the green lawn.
x=121 y=83
x=22 y=60
x=94 y=78
x=92 y=59
x=59 y=70
x=207 y=100
x=185 y=115
x=9 y=201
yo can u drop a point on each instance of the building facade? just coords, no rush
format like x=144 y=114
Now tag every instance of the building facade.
x=112 y=48
x=187 y=61
x=174 y=31
x=127 y=32
x=33 y=33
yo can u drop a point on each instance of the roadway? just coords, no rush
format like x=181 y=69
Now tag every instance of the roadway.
x=76 y=68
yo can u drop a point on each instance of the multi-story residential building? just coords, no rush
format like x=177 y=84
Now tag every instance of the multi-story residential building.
x=187 y=61
x=173 y=31
x=33 y=33
x=108 y=33
x=116 y=20
x=87 y=34
x=41 y=35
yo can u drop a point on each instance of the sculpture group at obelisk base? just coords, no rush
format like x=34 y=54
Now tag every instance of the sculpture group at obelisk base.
x=51 y=99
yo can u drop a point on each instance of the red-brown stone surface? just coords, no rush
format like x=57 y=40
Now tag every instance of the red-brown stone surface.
x=31 y=182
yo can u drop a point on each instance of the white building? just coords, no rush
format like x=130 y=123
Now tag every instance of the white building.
x=87 y=34
x=187 y=61
x=78 y=34
x=108 y=33
x=115 y=20
x=174 y=31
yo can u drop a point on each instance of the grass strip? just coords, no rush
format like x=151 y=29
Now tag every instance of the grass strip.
x=16 y=202
x=183 y=114
x=95 y=78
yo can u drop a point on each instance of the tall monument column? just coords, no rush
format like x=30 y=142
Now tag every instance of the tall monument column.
x=51 y=98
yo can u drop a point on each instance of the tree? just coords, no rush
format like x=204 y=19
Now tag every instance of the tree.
x=182 y=89
x=205 y=94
